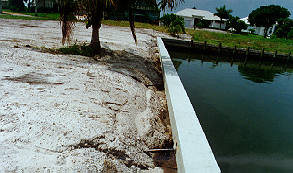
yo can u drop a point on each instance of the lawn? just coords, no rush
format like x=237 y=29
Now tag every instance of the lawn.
x=137 y=25
x=35 y=16
x=45 y=16
x=7 y=16
x=243 y=41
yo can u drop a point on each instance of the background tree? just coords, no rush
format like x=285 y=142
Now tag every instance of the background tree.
x=283 y=28
x=223 y=13
x=94 y=11
x=29 y=4
x=174 y=23
x=236 y=24
x=0 y=6
x=167 y=19
x=251 y=31
x=16 y=5
x=267 y=16
x=290 y=34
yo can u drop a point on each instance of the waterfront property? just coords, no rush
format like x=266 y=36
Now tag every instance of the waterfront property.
x=192 y=17
x=258 y=30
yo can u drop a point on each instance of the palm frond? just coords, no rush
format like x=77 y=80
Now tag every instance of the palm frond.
x=169 y=4
x=94 y=10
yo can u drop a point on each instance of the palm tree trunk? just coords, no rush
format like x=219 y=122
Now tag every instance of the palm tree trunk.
x=221 y=24
x=95 y=42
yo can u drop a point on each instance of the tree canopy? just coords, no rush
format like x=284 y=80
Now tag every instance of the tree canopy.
x=267 y=16
x=16 y=5
x=236 y=24
x=174 y=23
x=284 y=27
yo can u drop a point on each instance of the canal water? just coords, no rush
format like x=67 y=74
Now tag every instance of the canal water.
x=246 y=111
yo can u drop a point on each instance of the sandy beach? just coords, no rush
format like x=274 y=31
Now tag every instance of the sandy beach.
x=69 y=113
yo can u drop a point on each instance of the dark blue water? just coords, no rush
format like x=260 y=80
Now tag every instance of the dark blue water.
x=246 y=112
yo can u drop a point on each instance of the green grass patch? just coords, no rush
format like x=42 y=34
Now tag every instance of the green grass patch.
x=84 y=50
x=256 y=42
x=137 y=25
x=8 y=16
x=35 y=16
x=6 y=10
x=45 y=16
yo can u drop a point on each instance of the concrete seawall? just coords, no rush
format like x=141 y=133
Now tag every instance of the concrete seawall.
x=193 y=152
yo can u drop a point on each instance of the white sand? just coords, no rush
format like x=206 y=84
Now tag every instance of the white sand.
x=70 y=113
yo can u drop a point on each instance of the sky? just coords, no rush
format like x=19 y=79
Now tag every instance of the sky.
x=241 y=8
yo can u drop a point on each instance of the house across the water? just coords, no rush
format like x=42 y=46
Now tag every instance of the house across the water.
x=194 y=17
x=259 y=30
x=45 y=5
x=143 y=12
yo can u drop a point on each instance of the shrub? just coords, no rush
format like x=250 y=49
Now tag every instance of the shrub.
x=290 y=34
x=283 y=28
x=174 y=30
x=251 y=31
x=236 y=24
x=199 y=25
x=16 y=5
x=167 y=19
x=174 y=23
x=240 y=25
x=280 y=32
x=205 y=23
x=75 y=49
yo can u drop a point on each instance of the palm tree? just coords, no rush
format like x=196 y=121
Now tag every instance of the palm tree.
x=94 y=11
x=223 y=13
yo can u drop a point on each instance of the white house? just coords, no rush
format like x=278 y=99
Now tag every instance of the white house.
x=192 y=16
x=259 y=30
x=44 y=3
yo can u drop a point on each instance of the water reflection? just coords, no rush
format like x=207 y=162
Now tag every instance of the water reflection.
x=251 y=70
x=177 y=63
x=260 y=73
